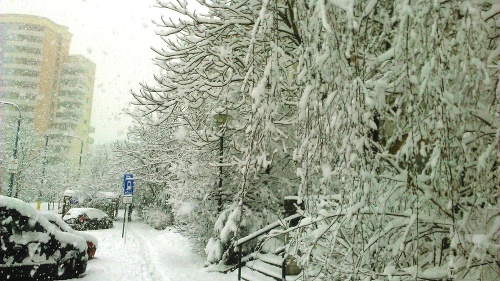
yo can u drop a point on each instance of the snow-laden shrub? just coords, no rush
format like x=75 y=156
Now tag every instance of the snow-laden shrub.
x=213 y=250
x=158 y=218
x=231 y=226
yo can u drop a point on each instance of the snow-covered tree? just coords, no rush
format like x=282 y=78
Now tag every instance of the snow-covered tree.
x=146 y=154
x=378 y=114
x=29 y=155
x=397 y=134
x=209 y=68
x=99 y=171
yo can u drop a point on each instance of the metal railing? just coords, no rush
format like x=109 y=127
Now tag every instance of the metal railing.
x=283 y=223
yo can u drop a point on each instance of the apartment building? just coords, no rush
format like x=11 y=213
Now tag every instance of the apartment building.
x=33 y=50
x=38 y=74
x=75 y=105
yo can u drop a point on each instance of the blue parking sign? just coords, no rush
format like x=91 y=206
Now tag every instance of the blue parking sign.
x=128 y=185
x=73 y=200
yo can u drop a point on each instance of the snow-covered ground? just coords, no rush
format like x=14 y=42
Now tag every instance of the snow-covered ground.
x=146 y=254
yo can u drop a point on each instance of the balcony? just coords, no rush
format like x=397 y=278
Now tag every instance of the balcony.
x=59 y=129
x=74 y=89
x=69 y=114
x=55 y=130
x=23 y=55
x=70 y=99
x=22 y=92
x=15 y=65
x=80 y=80
x=24 y=43
x=21 y=78
x=30 y=32
x=22 y=102
x=66 y=123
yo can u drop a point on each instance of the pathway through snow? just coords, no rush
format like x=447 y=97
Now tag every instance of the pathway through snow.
x=147 y=255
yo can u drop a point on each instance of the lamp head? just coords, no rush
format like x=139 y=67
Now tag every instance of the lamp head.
x=221 y=118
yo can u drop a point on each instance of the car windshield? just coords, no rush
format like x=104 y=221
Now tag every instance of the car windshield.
x=73 y=213
x=96 y=214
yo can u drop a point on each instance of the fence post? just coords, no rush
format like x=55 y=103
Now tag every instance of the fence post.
x=283 y=268
x=290 y=209
x=239 y=262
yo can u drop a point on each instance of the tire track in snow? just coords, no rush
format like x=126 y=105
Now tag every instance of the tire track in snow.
x=154 y=270
x=119 y=260
x=172 y=256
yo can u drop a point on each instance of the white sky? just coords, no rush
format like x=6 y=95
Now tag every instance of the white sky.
x=117 y=36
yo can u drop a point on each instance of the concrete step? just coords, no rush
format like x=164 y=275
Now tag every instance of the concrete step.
x=270 y=258
x=265 y=268
x=251 y=275
x=293 y=278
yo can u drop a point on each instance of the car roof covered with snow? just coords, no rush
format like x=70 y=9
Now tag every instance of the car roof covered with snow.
x=92 y=213
x=55 y=218
x=34 y=216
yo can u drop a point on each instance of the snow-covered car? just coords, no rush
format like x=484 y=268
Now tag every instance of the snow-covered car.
x=32 y=248
x=56 y=220
x=87 y=218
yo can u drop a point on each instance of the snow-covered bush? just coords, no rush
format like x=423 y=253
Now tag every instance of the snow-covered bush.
x=158 y=218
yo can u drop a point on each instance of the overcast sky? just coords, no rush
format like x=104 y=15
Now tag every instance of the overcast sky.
x=115 y=34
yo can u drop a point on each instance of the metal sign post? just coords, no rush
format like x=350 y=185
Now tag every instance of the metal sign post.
x=128 y=193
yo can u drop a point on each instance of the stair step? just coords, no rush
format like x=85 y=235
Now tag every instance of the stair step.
x=270 y=258
x=293 y=278
x=267 y=269
x=251 y=275
x=280 y=250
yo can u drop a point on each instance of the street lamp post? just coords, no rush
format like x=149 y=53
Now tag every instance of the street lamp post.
x=11 y=181
x=81 y=148
x=221 y=119
x=38 y=201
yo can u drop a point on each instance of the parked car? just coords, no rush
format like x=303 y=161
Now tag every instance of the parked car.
x=87 y=218
x=56 y=220
x=108 y=202
x=32 y=248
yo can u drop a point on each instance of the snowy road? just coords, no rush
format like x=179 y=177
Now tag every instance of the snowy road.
x=146 y=254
